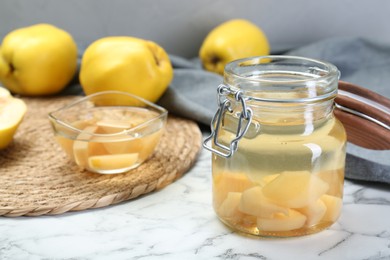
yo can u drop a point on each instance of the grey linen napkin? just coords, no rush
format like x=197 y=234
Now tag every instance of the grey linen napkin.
x=192 y=94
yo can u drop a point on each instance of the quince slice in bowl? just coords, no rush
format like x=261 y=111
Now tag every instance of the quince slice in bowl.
x=109 y=132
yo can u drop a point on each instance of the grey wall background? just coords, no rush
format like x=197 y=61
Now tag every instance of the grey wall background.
x=180 y=26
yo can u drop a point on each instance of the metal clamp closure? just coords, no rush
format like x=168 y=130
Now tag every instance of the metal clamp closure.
x=244 y=121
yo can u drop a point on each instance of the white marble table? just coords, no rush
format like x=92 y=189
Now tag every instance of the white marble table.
x=178 y=223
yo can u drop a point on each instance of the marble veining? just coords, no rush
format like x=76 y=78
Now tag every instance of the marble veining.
x=178 y=222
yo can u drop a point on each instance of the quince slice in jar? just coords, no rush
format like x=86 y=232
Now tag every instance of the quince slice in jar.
x=267 y=179
x=226 y=182
x=335 y=179
x=112 y=161
x=314 y=212
x=333 y=207
x=295 y=189
x=229 y=211
x=254 y=203
x=282 y=222
x=229 y=207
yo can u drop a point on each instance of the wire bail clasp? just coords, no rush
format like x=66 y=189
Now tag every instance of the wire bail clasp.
x=244 y=121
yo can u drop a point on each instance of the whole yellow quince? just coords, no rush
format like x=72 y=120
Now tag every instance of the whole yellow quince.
x=12 y=111
x=37 y=60
x=127 y=64
x=232 y=40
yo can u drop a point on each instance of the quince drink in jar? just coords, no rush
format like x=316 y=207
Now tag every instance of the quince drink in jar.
x=278 y=151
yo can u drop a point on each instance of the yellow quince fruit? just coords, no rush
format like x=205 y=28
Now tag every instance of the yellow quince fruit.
x=37 y=60
x=127 y=64
x=232 y=40
x=12 y=111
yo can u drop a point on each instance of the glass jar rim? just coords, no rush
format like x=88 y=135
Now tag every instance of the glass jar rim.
x=332 y=69
x=316 y=71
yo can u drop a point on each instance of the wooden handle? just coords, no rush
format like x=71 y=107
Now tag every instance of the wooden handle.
x=361 y=131
x=358 y=90
x=363 y=107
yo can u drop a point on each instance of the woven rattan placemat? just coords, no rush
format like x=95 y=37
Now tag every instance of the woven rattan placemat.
x=37 y=178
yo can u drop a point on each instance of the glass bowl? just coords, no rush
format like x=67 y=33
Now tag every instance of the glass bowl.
x=109 y=132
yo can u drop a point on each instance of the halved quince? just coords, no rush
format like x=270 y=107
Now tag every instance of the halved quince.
x=4 y=93
x=12 y=111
